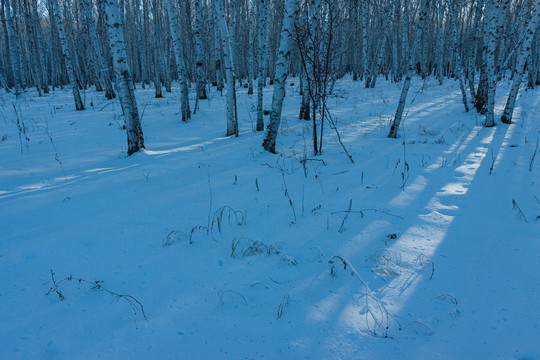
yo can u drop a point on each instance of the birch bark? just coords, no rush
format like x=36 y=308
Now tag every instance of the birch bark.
x=524 y=53
x=282 y=63
x=314 y=9
x=232 y=121
x=459 y=68
x=13 y=52
x=103 y=70
x=67 y=56
x=263 y=14
x=492 y=14
x=124 y=81
x=179 y=56
x=201 y=82
x=410 y=70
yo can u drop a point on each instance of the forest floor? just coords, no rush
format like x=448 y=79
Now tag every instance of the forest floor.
x=238 y=253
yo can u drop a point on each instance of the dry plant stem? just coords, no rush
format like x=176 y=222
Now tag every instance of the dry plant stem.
x=361 y=212
x=515 y=206
x=22 y=129
x=492 y=162
x=239 y=216
x=135 y=304
x=211 y=199
x=54 y=147
x=448 y=297
x=376 y=312
x=342 y=227
x=223 y=292
x=531 y=163
x=288 y=196
x=333 y=125
x=303 y=161
x=175 y=235
x=284 y=302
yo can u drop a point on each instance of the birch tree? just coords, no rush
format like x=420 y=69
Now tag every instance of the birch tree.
x=179 y=56
x=412 y=57
x=459 y=68
x=33 y=45
x=440 y=41
x=218 y=71
x=382 y=46
x=13 y=51
x=524 y=53
x=232 y=120
x=251 y=58
x=263 y=14
x=67 y=55
x=97 y=51
x=365 y=43
x=280 y=77
x=124 y=81
x=201 y=83
x=314 y=9
x=156 y=49
x=492 y=12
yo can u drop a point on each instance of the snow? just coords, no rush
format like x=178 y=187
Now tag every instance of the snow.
x=442 y=239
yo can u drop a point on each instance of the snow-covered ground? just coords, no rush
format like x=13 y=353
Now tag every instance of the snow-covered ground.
x=441 y=243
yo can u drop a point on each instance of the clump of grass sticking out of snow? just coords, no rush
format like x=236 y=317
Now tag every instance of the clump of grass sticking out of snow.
x=176 y=236
x=257 y=247
x=390 y=262
x=227 y=212
x=378 y=318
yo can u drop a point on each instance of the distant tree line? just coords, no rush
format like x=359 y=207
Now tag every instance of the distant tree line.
x=115 y=45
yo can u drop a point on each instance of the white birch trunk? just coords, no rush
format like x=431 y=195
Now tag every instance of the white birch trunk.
x=103 y=70
x=492 y=13
x=179 y=56
x=365 y=66
x=156 y=50
x=524 y=53
x=355 y=45
x=201 y=81
x=124 y=81
x=232 y=121
x=217 y=54
x=67 y=56
x=282 y=63
x=405 y=40
x=440 y=42
x=382 y=48
x=263 y=14
x=410 y=70
x=314 y=9
x=396 y=21
x=251 y=59
x=33 y=46
x=19 y=36
x=459 y=68
x=474 y=55
x=13 y=52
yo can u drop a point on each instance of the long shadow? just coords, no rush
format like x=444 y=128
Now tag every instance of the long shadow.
x=481 y=288
x=422 y=304
x=417 y=246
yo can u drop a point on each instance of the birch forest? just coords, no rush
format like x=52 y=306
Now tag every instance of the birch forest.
x=228 y=44
x=224 y=179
